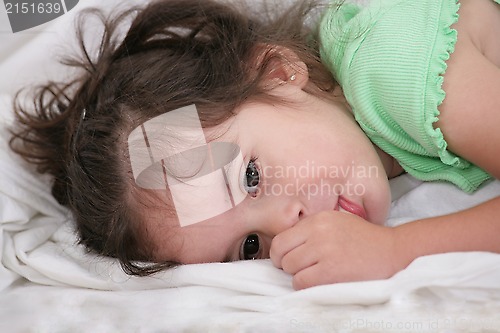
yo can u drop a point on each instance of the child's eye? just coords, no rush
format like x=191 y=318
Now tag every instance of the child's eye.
x=252 y=178
x=250 y=248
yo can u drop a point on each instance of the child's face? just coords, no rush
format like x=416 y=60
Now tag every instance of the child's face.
x=300 y=159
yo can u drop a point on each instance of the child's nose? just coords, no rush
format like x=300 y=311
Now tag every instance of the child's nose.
x=283 y=216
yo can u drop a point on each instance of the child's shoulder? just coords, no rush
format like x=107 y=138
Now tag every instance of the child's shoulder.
x=469 y=113
x=390 y=58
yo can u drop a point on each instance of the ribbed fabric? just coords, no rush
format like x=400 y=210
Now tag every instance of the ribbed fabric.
x=389 y=58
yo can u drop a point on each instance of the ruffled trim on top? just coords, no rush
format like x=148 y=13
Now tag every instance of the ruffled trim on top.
x=444 y=46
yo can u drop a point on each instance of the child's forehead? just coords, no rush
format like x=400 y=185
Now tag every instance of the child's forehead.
x=171 y=152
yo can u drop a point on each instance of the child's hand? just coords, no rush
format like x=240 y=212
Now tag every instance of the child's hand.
x=332 y=247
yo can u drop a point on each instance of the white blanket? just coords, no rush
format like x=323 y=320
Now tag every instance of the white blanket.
x=48 y=283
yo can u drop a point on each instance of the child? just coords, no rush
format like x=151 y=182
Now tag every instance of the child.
x=204 y=135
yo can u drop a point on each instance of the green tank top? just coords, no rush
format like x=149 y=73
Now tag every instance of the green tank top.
x=389 y=58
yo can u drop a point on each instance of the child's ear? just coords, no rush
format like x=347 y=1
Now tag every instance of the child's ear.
x=281 y=65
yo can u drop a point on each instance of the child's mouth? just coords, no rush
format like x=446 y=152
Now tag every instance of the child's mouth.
x=350 y=207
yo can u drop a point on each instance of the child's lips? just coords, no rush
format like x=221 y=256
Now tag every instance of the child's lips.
x=351 y=207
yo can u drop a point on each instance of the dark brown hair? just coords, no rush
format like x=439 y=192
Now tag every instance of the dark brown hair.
x=175 y=53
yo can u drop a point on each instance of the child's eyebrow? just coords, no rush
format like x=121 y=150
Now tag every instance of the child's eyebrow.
x=230 y=253
x=170 y=151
